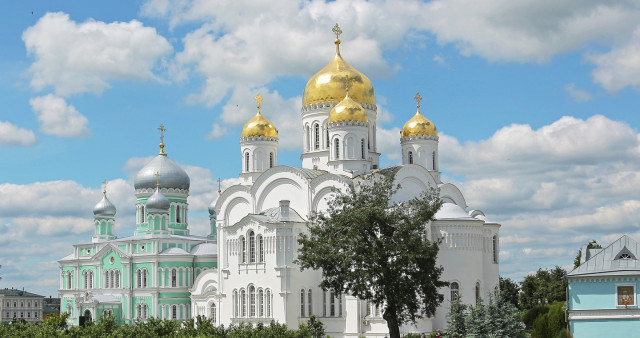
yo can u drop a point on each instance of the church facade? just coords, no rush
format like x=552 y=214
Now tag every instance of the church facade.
x=259 y=220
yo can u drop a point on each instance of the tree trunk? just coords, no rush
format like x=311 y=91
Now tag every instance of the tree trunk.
x=392 y=321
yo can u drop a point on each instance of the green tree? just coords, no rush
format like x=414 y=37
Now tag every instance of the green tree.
x=545 y=287
x=496 y=319
x=376 y=249
x=591 y=245
x=456 y=326
x=509 y=291
x=551 y=324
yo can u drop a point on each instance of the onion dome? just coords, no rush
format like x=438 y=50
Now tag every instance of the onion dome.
x=158 y=201
x=418 y=125
x=328 y=85
x=212 y=208
x=104 y=207
x=171 y=175
x=348 y=110
x=259 y=126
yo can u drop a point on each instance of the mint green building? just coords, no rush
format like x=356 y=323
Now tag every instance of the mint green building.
x=149 y=273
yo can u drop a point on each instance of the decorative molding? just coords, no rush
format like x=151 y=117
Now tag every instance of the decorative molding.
x=622 y=313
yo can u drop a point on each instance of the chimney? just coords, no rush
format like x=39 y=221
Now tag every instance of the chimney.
x=284 y=208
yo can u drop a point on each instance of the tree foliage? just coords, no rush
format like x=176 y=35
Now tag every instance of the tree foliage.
x=497 y=319
x=509 y=291
x=551 y=324
x=373 y=248
x=545 y=287
x=591 y=245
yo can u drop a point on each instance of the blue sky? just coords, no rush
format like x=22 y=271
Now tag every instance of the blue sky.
x=536 y=103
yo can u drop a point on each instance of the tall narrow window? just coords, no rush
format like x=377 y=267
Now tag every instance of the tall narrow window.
x=252 y=301
x=260 y=303
x=337 y=149
x=332 y=305
x=326 y=132
x=302 y=305
x=243 y=244
x=309 y=304
x=271 y=160
x=107 y=274
x=84 y=279
x=368 y=309
x=410 y=157
x=117 y=274
x=495 y=248
x=339 y=305
x=477 y=292
x=455 y=291
x=362 y=148
x=243 y=303
x=139 y=278
x=91 y=279
x=260 y=248
x=235 y=304
x=144 y=278
x=246 y=162
x=316 y=136
x=178 y=218
x=324 y=303
x=142 y=216
x=433 y=160
x=69 y=280
x=213 y=313
x=174 y=278
x=252 y=247
x=174 y=312
x=144 y=311
x=268 y=302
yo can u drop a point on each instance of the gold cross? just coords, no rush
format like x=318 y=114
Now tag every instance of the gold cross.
x=336 y=29
x=157 y=175
x=104 y=187
x=259 y=99
x=219 y=191
x=162 y=130
x=418 y=98
x=347 y=83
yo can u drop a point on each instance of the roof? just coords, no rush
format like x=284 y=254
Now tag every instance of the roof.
x=273 y=215
x=619 y=258
x=205 y=249
x=18 y=293
x=174 y=251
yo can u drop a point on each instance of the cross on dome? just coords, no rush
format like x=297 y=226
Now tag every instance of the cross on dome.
x=259 y=99
x=336 y=29
x=418 y=99
x=104 y=187
x=162 y=130
x=157 y=175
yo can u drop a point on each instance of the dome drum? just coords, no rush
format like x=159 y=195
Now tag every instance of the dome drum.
x=419 y=137
x=258 y=138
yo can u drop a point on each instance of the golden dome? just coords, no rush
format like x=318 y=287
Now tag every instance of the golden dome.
x=259 y=126
x=418 y=125
x=348 y=110
x=329 y=84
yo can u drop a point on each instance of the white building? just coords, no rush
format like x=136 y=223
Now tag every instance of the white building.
x=259 y=220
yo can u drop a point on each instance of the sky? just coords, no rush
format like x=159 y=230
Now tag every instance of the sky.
x=536 y=104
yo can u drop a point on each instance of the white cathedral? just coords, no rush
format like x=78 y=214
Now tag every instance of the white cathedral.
x=258 y=221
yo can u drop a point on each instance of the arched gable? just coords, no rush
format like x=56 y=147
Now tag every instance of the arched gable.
x=450 y=193
x=204 y=280
x=414 y=180
x=236 y=209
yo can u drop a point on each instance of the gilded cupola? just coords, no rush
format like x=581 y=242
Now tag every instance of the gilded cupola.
x=328 y=85
x=348 y=110
x=418 y=125
x=259 y=126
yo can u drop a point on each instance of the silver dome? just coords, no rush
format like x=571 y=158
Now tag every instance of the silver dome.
x=212 y=208
x=158 y=201
x=171 y=175
x=104 y=207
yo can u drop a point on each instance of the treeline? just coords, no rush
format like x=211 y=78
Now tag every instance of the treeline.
x=56 y=326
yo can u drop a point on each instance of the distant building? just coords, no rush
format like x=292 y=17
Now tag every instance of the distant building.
x=21 y=305
x=50 y=306
x=603 y=291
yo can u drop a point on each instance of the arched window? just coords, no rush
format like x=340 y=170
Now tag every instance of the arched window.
x=252 y=247
x=324 y=303
x=107 y=275
x=332 y=304
x=91 y=279
x=271 y=160
x=268 y=302
x=174 y=278
x=302 y=301
x=252 y=301
x=316 y=136
x=69 y=280
x=213 y=313
x=243 y=303
x=243 y=247
x=117 y=278
x=246 y=162
x=477 y=292
x=495 y=249
x=433 y=159
x=145 y=274
x=139 y=278
x=362 y=149
x=337 y=149
x=309 y=304
x=85 y=279
x=178 y=218
x=455 y=291
x=144 y=311
x=142 y=216
x=235 y=303
x=260 y=248
x=174 y=311
x=260 y=303
x=326 y=132
x=410 y=157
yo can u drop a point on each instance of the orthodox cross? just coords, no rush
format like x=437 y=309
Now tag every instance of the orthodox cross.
x=347 y=83
x=162 y=130
x=336 y=29
x=219 y=191
x=104 y=187
x=259 y=99
x=418 y=98
x=157 y=175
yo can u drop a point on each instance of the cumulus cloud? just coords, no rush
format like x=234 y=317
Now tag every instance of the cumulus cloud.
x=83 y=57
x=58 y=118
x=12 y=135
x=619 y=67
x=576 y=93
x=217 y=131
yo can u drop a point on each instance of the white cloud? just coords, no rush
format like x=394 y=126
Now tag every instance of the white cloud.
x=217 y=131
x=83 y=57
x=58 y=118
x=619 y=67
x=576 y=93
x=12 y=135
